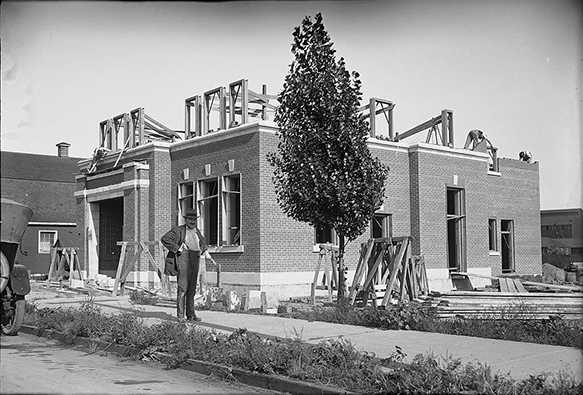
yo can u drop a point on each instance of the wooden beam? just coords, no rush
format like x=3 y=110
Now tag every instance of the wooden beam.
x=419 y=128
x=557 y=286
x=366 y=249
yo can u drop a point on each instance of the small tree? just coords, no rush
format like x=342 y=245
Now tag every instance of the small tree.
x=324 y=172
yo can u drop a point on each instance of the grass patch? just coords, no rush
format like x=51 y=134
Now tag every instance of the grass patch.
x=335 y=363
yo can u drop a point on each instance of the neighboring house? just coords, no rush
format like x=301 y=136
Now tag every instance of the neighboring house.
x=562 y=236
x=46 y=184
x=465 y=210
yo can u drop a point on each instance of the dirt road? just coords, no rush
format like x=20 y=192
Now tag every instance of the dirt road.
x=33 y=365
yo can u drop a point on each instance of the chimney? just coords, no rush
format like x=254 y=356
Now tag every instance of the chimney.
x=63 y=150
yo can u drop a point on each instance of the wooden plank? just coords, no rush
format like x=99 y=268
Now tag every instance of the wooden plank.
x=511 y=286
x=414 y=281
x=557 y=286
x=53 y=265
x=396 y=267
x=519 y=286
x=503 y=285
x=151 y=260
x=462 y=294
x=403 y=273
x=327 y=277
x=334 y=263
x=372 y=271
x=119 y=268
x=364 y=255
x=315 y=281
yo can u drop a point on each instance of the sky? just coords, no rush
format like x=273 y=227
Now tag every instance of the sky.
x=510 y=68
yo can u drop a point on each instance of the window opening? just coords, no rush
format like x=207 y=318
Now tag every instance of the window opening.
x=325 y=236
x=456 y=229
x=492 y=236
x=232 y=210
x=46 y=240
x=208 y=210
x=507 y=234
x=185 y=199
x=381 y=226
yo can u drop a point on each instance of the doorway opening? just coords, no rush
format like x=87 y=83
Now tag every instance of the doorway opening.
x=456 y=223
x=507 y=233
x=110 y=232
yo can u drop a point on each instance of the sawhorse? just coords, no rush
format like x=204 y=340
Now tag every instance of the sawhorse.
x=123 y=269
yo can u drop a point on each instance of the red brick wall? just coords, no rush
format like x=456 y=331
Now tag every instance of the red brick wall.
x=286 y=244
x=415 y=196
x=515 y=195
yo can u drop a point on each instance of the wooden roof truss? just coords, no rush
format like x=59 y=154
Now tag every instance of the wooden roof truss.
x=434 y=134
x=238 y=105
x=375 y=108
x=132 y=129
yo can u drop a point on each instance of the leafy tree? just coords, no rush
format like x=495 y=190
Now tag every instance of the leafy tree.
x=324 y=173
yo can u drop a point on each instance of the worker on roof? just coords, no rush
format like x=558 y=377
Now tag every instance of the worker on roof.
x=525 y=156
x=476 y=136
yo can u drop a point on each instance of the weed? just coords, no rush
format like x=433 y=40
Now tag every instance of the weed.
x=515 y=322
x=143 y=298
x=333 y=362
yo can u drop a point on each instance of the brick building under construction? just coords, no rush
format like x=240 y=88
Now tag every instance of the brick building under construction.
x=465 y=209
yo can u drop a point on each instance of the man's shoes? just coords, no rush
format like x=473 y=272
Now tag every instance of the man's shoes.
x=194 y=318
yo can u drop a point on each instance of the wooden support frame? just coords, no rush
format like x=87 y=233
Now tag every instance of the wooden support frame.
x=106 y=134
x=124 y=268
x=137 y=122
x=378 y=106
x=57 y=269
x=192 y=116
x=238 y=93
x=209 y=104
x=387 y=266
x=329 y=256
x=445 y=135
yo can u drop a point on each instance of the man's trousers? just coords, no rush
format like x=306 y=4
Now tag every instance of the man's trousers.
x=188 y=265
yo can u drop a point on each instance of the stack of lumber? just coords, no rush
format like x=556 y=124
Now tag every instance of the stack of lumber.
x=504 y=305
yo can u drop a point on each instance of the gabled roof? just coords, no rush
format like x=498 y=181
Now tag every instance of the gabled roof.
x=35 y=167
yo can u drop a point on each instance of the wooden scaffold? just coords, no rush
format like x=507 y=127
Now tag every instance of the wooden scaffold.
x=329 y=278
x=387 y=269
x=125 y=266
x=64 y=260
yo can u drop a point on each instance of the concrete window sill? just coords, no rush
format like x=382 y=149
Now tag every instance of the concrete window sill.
x=225 y=249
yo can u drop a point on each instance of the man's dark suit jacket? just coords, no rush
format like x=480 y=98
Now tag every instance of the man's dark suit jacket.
x=172 y=240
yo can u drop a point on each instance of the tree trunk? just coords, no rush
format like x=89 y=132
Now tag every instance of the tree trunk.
x=341 y=278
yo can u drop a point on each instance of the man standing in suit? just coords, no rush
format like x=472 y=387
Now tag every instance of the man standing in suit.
x=185 y=244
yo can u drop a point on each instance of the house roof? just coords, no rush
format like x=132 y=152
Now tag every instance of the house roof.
x=35 y=167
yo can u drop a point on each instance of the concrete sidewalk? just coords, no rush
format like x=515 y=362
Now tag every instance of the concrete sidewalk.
x=517 y=358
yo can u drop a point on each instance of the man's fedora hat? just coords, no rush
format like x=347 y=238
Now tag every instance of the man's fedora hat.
x=190 y=213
